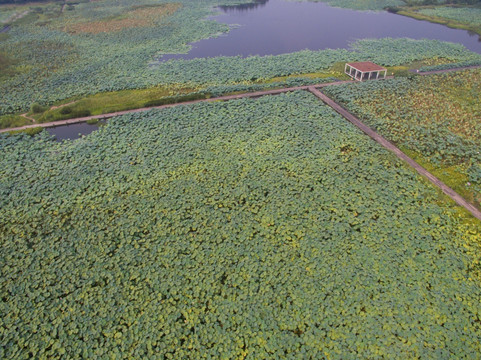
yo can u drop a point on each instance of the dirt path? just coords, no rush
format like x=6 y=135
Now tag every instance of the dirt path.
x=220 y=98
x=28 y=117
x=63 y=105
x=394 y=149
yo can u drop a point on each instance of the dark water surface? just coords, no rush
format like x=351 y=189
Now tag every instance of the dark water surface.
x=73 y=131
x=272 y=27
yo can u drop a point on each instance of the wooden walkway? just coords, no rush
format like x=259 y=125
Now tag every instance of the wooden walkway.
x=314 y=90
x=220 y=98
x=394 y=149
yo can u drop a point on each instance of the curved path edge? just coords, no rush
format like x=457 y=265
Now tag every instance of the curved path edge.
x=394 y=149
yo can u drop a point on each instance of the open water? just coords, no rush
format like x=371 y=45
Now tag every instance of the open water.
x=72 y=131
x=273 y=27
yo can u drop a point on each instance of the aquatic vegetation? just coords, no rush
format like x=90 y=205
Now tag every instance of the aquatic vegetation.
x=363 y=4
x=451 y=65
x=466 y=15
x=437 y=116
x=63 y=69
x=468 y=18
x=52 y=62
x=261 y=228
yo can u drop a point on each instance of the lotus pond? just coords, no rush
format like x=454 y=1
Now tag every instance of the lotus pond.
x=267 y=228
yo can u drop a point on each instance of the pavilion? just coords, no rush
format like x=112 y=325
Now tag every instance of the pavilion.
x=365 y=70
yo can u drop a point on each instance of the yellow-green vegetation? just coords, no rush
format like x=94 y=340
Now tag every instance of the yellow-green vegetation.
x=437 y=118
x=467 y=17
x=455 y=176
x=11 y=121
x=107 y=102
x=376 y=5
x=30 y=131
x=265 y=228
x=419 y=64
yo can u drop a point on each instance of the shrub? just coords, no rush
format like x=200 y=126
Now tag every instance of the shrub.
x=36 y=108
x=66 y=110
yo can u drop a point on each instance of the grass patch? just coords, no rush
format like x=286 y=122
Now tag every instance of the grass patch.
x=37 y=108
x=63 y=114
x=453 y=176
x=403 y=70
x=335 y=71
x=29 y=131
x=108 y=102
x=435 y=119
x=104 y=103
x=10 y=121
x=177 y=99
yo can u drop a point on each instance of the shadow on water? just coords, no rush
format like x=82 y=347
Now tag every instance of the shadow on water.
x=272 y=27
x=73 y=131
x=244 y=7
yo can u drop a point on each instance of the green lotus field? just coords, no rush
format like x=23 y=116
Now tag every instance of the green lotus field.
x=266 y=228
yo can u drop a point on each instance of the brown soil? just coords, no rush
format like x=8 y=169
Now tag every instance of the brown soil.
x=141 y=17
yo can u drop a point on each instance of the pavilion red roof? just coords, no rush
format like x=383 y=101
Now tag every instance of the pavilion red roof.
x=366 y=66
